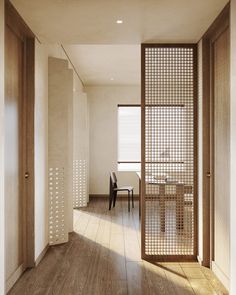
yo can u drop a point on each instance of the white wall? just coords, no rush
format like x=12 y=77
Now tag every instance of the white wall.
x=2 y=203
x=41 y=148
x=60 y=146
x=233 y=152
x=42 y=52
x=200 y=154
x=103 y=101
x=81 y=149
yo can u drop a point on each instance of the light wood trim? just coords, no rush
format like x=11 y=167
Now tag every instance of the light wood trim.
x=195 y=139
x=171 y=258
x=206 y=152
x=219 y=25
x=30 y=188
x=14 y=21
x=165 y=105
x=143 y=183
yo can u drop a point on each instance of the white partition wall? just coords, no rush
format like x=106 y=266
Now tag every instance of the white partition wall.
x=60 y=148
x=80 y=150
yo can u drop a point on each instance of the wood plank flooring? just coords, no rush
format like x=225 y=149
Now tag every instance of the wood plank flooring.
x=103 y=258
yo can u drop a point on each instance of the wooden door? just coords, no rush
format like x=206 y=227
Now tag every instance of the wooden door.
x=14 y=155
x=215 y=119
x=19 y=146
x=221 y=154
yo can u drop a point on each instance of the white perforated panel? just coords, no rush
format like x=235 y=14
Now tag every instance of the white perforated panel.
x=58 y=225
x=79 y=183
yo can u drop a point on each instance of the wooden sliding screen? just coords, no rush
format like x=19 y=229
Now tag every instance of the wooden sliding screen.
x=169 y=156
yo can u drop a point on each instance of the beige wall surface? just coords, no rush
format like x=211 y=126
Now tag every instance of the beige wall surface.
x=2 y=204
x=103 y=101
x=42 y=52
x=233 y=152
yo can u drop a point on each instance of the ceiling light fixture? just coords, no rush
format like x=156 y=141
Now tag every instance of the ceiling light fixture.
x=119 y=21
x=112 y=79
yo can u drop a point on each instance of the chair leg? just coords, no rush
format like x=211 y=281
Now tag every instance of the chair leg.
x=132 y=199
x=128 y=201
x=114 y=198
x=110 y=200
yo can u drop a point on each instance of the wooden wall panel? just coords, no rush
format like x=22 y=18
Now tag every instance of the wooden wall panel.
x=221 y=152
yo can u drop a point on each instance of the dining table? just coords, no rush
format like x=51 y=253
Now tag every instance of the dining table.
x=164 y=194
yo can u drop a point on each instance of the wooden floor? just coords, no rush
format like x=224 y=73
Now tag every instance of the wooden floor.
x=103 y=257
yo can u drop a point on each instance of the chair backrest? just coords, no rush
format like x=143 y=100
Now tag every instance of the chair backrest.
x=113 y=177
x=113 y=182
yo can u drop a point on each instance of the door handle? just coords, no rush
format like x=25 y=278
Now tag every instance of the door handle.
x=208 y=174
x=26 y=175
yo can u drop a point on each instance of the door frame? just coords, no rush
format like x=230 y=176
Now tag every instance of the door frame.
x=15 y=23
x=216 y=29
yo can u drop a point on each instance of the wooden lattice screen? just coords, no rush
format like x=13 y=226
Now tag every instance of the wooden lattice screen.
x=169 y=142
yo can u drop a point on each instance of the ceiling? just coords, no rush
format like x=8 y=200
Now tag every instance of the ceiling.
x=104 y=49
x=94 y=21
x=107 y=64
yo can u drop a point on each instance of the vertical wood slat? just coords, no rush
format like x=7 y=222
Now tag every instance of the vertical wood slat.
x=169 y=134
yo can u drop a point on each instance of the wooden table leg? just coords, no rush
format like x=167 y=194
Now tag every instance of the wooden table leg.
x=179 y=207
x=162 y=207
x=162 y=214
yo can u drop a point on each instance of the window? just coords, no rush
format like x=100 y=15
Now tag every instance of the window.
x=167 y=138
x=129 y=138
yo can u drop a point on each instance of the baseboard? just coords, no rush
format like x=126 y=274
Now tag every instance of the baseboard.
x=41 y=255
x=199 y=259
x=100 y=196
x=220 y=275
x=14 y=277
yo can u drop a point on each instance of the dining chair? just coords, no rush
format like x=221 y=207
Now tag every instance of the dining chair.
x=114 y=189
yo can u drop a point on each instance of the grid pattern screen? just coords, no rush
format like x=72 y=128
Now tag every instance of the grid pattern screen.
x=169 y=151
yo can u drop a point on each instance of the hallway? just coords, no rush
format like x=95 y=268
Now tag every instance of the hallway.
x=103 y=257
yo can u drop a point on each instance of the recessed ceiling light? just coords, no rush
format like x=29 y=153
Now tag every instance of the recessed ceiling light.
x=112 y=79
x=119 y=21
